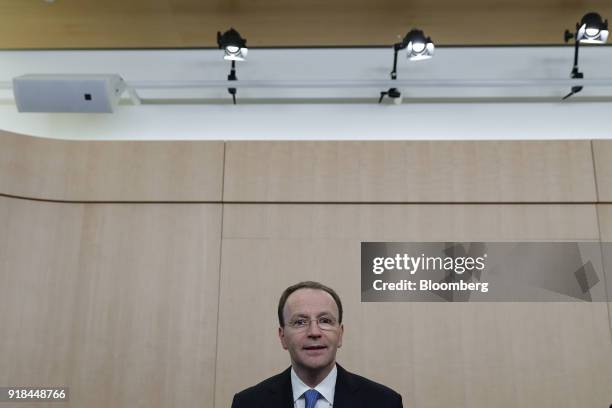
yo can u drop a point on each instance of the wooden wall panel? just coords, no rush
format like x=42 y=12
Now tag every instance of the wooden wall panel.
x=116 y=301
x=119 y=301
x=463 y=355
x=39 y=269
x=193 y=23
x=409 y=171
x=110 y=171
x=602 y=155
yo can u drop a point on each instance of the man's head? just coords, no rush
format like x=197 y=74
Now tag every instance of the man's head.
x=310 y=325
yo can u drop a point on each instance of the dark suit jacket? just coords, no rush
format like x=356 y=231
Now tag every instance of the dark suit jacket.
x=352 y=391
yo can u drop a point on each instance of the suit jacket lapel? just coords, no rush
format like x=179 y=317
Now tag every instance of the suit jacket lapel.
x=344 y=395
x=281 y=395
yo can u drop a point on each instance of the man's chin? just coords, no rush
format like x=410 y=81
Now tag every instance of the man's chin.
x=316 y=363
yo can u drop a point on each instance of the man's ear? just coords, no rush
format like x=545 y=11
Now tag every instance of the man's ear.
x=340 y=335
x=281 y=336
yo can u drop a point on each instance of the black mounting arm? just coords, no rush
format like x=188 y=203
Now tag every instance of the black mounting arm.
x=575 y=74
x=232 y=77
x=393 y=93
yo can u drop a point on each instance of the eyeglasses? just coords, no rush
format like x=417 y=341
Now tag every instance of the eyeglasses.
x=324 y=323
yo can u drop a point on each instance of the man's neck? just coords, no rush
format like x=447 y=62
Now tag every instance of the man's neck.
x=312 y=378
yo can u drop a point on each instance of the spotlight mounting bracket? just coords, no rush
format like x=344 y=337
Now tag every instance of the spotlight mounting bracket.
x=575 y=74
x=232 y=77
x=394 y=93
x=595 y=19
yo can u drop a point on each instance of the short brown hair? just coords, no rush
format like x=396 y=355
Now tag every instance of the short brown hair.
x=306 y=285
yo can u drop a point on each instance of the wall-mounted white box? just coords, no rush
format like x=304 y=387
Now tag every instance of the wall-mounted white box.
x=68 y=93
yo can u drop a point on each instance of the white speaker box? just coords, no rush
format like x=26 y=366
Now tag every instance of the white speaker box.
x=68 y=93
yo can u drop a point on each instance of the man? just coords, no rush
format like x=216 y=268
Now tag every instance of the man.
x=310 y=328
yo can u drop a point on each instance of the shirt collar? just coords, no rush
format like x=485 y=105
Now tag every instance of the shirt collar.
x=326 y=387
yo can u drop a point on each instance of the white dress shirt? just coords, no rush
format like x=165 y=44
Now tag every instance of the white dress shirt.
x=326 y=388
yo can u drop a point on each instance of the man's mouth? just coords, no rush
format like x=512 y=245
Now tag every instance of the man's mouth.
x=315 y=347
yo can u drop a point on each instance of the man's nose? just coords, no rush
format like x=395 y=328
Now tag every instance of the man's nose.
x=314 y=329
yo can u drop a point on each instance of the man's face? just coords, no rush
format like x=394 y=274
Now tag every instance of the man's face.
x=310 y=347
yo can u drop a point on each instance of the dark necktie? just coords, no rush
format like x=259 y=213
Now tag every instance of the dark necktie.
x=311 y=397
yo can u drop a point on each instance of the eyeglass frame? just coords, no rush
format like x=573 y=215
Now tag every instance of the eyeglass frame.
x=334 y=323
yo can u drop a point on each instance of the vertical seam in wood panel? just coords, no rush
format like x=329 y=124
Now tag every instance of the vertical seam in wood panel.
x=594 y=176
x=603 y=264
x=214 y=395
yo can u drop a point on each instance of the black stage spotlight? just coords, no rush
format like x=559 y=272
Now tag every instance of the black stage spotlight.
x=233 y=44
x=418 y=47
x=591 y=30
x=235 y=50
